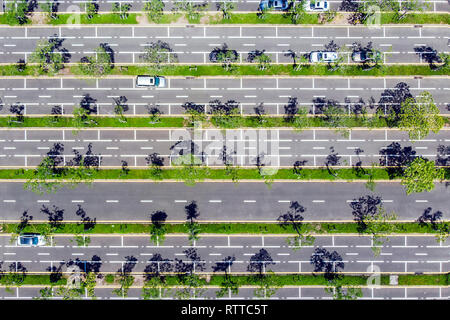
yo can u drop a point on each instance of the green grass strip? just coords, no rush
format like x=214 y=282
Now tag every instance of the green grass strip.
x=250 y=228
x=108 y=18
x=175 y=173
x=280 y=280
x=244 y=70
x=236 y=18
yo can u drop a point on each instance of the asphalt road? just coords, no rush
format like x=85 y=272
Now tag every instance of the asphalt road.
x=297 y=293
x=39 y=95
x=241 y=5
x=399 y=254
x=193 y=44
x=27 y=147
x=136 y=201
x=108 y=254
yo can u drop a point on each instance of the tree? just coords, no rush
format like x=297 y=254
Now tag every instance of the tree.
x=226 y=57
x=195 y=111
x=258 y=56
x=327 y=263
x=259 y=262
x=154 y=9
x=296 y=10
x=226 y=6
x=420 y=116
x=120 y=106
x=402 y=8
x=379 y=225
x=18 y=12
x=158 y=229
x=17 y=110
x=121 y=9
x=155 y=114
x=50 y=7
x=294 y=218
x=299 y=60
x=194 y=287
x=156 y=53
x=267 y=285
x=192 y=226
x=435 y=219
x=91 y=8
x=191 y=10
x=228 y=285
x=156 y=163
x=155 y=288
x=100 y=64
x=420 y=175
x=225 y=115
x=49 y=55
x=264 y=12
x=301 y=119
x=192 y=169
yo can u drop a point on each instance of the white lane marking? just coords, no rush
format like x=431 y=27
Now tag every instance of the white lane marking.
x=9 y=201
x=180 y=201
x=215 y=201
x=249 y=201
x=112 y=201
x=77 y=201
x=421 y=200
x=146 y=201
x=318 y=201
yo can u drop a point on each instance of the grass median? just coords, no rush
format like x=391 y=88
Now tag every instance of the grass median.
x=250 y=228
x=240 y=70
x=278 y=280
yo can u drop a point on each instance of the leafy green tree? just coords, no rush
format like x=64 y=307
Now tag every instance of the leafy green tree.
x=88 y=284
x=379 y=225
x=91 y=8
x=420 y=174
x=155 y=162
x=227 y=58
x=17 y=12
x=121 y=9
x=192 y=169
x=158 y=229
x=194 y=287
x=156 y=288
x=226 y=6
x=420 y=116
x=301 y=119
x=82 y=118
x=263 y=60
x=191 y=225
x=99 y=64
x=69 y=293
x=125 y=281
x=296 y=11
x=50 y=7
x=299 y=60
x=402 y=8
x=192 y=10
x=48 y=56
x=225 y=115
x=157 y=53
x=232 y=172
x=195 y=111
x=45 y=171
x=154 y=9
x=45 y=294
x=267 y=285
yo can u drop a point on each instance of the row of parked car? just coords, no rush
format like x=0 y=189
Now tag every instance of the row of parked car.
x=313 y=6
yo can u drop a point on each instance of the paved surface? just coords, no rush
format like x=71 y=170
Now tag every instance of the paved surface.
x=241 y=5
x=109 y=253
x=25 y=148
x=297 y=293
x=39 y=95
x=193 y=44
x=216 y=201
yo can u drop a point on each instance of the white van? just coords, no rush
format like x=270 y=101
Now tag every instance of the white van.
x=150 y=81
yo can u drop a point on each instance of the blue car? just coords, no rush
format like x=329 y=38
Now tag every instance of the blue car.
x=275 y=4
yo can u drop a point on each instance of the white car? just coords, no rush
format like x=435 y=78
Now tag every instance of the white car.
x=323 y=56
x=150 y=81
x=31 y=240
x=317 y=6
